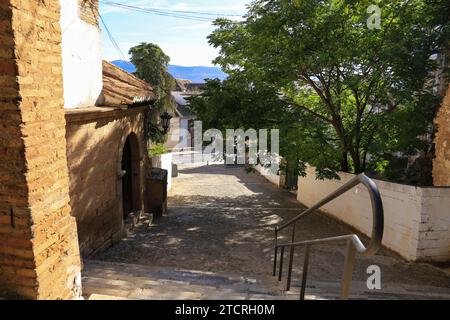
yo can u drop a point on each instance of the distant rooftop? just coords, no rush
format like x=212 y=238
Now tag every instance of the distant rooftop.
x=182 y=104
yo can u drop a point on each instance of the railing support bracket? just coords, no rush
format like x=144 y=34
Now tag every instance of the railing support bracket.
x=348 y=270
x=354 y=243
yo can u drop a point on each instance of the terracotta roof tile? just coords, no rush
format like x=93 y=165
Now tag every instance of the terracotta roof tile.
x=123 y=88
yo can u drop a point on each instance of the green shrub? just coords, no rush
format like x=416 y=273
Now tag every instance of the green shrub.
x=157 y=150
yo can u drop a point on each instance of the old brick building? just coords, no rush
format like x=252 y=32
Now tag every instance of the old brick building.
x=72 y=146
x=441 y=165
x=106 y=159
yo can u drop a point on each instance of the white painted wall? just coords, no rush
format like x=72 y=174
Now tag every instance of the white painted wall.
x=164 y=161
x=179 y=137
x=417 y=220
x=270 y=176
x=434 y=230
x=173 y=137
x=185 y=140
x=82 y=59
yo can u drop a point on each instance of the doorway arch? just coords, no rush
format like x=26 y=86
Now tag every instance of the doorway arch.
x=131 y=176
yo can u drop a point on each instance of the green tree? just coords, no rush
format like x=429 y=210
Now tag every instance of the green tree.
x=151 y=66
x=358 y=92
x=237 y=103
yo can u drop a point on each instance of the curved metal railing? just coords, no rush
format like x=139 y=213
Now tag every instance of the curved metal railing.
x=354 y=244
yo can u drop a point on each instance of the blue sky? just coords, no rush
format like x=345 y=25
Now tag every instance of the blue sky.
x=183 y=40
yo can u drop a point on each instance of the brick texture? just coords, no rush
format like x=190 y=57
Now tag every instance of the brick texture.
x=39 y=254
x=88 y=11
x=95 y=142
x=441 y=164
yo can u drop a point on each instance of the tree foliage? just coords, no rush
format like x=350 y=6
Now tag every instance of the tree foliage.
x=151 y=66
x=351 y=94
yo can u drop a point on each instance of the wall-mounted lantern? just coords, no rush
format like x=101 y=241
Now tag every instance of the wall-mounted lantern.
x=154 y=132
x=165 y=117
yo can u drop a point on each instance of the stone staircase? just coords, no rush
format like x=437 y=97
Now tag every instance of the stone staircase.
x=111 y=280
x=120 y=281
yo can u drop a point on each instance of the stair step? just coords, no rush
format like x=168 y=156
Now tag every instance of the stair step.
x=105 y=297
x=164 y=293
x=132 y=281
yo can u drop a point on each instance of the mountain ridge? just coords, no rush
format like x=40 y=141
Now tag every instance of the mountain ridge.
x=196 y=74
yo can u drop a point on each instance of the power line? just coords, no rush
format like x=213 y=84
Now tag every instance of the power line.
x=189 y=15
x=202 y=13
x=179 y=14
x=165 y=14
x=179 y=11
x=110 y=36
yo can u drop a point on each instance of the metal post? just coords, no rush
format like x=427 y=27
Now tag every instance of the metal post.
x=304 y=273
x=291 y=260
x=348 y=270
x=276 y=253
x=235 y=151
x=275 y=262
x=280 y=272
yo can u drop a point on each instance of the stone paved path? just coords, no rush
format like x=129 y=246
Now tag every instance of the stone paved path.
x=221 y=220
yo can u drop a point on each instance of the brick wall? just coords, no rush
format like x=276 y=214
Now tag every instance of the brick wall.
x=95 y=141
x=17 y=276
x=39 y=256
x=441 y=163
x=88 y=11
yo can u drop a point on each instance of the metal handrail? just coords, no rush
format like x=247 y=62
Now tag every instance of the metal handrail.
x=354 y=244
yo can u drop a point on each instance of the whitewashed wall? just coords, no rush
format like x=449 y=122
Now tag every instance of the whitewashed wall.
x=173 y=137
x=185 y=140
x=179 y=137
x=82 y=58
x=434 y=230
x=417 y=220
x=271 y=177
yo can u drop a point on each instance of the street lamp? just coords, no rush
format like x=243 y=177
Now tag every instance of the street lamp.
x=165 y=117
x=154 y=131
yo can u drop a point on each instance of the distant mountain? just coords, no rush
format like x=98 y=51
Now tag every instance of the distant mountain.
x=125 y=65
x=194 y=74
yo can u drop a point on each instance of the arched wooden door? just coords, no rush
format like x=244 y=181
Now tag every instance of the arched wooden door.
x=131 y=179
x=127 y=180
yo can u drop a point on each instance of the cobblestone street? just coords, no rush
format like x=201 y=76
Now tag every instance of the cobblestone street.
x=222 y=219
